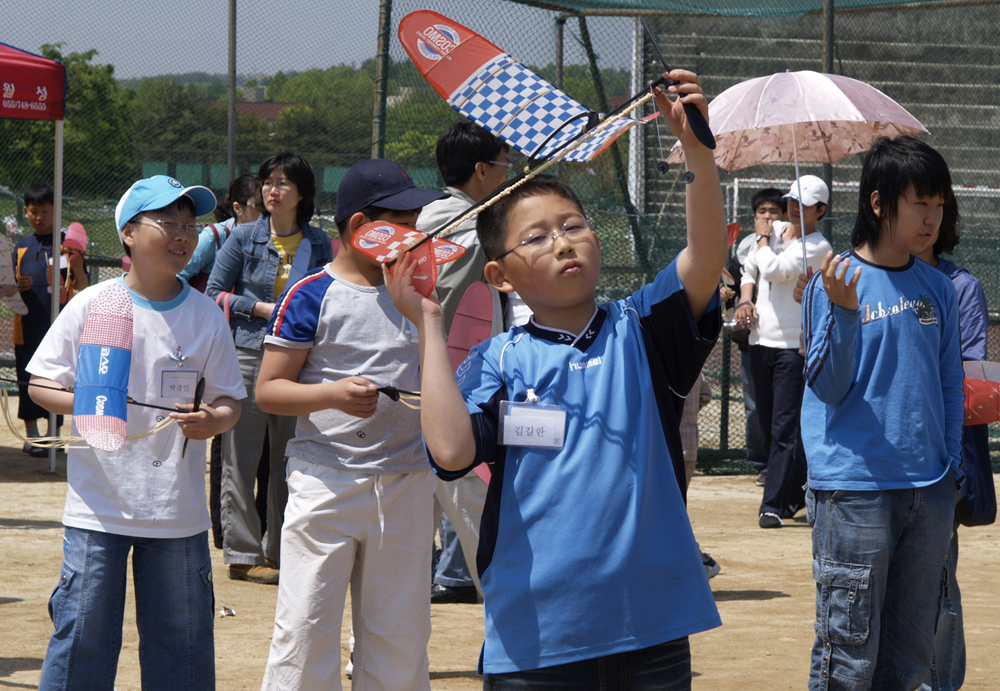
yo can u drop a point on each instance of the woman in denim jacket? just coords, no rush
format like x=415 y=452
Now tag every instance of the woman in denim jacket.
x=251 y=270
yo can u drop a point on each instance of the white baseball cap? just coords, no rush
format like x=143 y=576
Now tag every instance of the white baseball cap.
x=814 y=191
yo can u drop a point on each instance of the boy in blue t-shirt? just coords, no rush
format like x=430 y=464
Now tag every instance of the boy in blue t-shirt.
x=882 y=420
x=586 y=555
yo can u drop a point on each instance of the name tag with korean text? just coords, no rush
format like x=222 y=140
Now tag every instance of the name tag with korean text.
x=532 y=424
x=178 y=383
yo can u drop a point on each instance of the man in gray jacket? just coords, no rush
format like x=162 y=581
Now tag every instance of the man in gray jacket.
x=473 y=163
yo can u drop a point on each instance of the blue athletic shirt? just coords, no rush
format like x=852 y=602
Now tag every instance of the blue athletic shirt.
x=884 y=401
x=587 y=551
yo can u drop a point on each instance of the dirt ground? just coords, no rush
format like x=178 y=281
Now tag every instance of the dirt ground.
x=765 y=594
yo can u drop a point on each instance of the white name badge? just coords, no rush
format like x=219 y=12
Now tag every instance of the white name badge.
x=531 y=424
x=178 y=383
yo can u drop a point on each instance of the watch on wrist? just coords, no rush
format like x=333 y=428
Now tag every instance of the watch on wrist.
x=763 y=237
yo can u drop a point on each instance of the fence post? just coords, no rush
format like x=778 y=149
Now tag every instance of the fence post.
x=381 y=78
x=231 y=145
x=828 y=11
x=725 y=380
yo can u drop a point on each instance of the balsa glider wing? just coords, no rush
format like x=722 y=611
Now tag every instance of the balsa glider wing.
x=493 y=89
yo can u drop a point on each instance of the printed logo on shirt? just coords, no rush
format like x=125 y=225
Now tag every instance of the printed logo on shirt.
x=577 y=366
x=923 y=308
x=463 y=369
x=102 y=368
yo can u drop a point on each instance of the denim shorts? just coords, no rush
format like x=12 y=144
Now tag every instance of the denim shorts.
x=663 y=667
x=174 y=603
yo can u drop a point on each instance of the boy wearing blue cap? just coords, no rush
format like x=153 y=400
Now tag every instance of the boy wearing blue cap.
x=360 y=492
x=148 y=497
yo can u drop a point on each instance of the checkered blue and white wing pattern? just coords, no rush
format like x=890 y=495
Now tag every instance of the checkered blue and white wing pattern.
x=523 y=110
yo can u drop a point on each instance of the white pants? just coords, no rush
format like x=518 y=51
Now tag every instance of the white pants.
x=372 y=532
x=462 y=501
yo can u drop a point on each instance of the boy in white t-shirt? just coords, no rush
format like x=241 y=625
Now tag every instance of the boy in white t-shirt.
x=148 y=497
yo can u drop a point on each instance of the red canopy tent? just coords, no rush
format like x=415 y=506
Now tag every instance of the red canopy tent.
x=34 y=88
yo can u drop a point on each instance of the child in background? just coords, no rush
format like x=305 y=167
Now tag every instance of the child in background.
x=32 y=255
x=360 y=494
x=882 y=419
x=586 y=557
x=147 y=498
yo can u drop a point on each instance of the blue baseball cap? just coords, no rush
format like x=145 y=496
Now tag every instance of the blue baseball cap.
x=158 y=192
x=377 y=182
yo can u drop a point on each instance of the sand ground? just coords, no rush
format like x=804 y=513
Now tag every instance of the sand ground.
x=765 y=594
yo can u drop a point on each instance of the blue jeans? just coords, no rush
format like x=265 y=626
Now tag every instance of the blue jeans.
x=450 y=570
x=663 y=667
x=949 y=641
x=174 y=605
x=879 y=564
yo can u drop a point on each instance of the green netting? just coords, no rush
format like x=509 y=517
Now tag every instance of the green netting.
x=733 y=8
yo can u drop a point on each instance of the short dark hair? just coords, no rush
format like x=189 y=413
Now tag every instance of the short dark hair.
x=372 y=213
x=241 y=190
x=298 y=170
x=890 y=166
x=182 y=203
x=769 y=194
x=39 y=193
x=463 y=146
x=491 y=224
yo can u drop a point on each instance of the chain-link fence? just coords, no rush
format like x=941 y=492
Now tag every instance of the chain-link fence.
x=307 y=83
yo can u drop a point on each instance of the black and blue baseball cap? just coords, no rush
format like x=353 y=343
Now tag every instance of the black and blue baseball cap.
x=382 y=183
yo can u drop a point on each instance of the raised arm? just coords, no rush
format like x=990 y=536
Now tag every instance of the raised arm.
x=700 y=265
x=444 y=418
x=830 y=323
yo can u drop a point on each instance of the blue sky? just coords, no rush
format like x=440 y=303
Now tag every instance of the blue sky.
x=144 y=38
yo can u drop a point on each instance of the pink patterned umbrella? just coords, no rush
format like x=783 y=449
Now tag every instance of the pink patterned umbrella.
x=800 y=116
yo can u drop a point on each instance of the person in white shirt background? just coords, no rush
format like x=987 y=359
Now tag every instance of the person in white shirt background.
x=775 y=322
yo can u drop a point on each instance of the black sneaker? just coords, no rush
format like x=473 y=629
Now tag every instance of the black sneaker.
x=770 y=520
x=761 y=478
x=35 y=451
x=712 y=567
x=441 y=594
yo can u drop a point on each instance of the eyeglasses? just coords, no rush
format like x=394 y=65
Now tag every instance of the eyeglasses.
x=282 y=184
x=574 y=230
x=192 y=230
x=506 y=164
